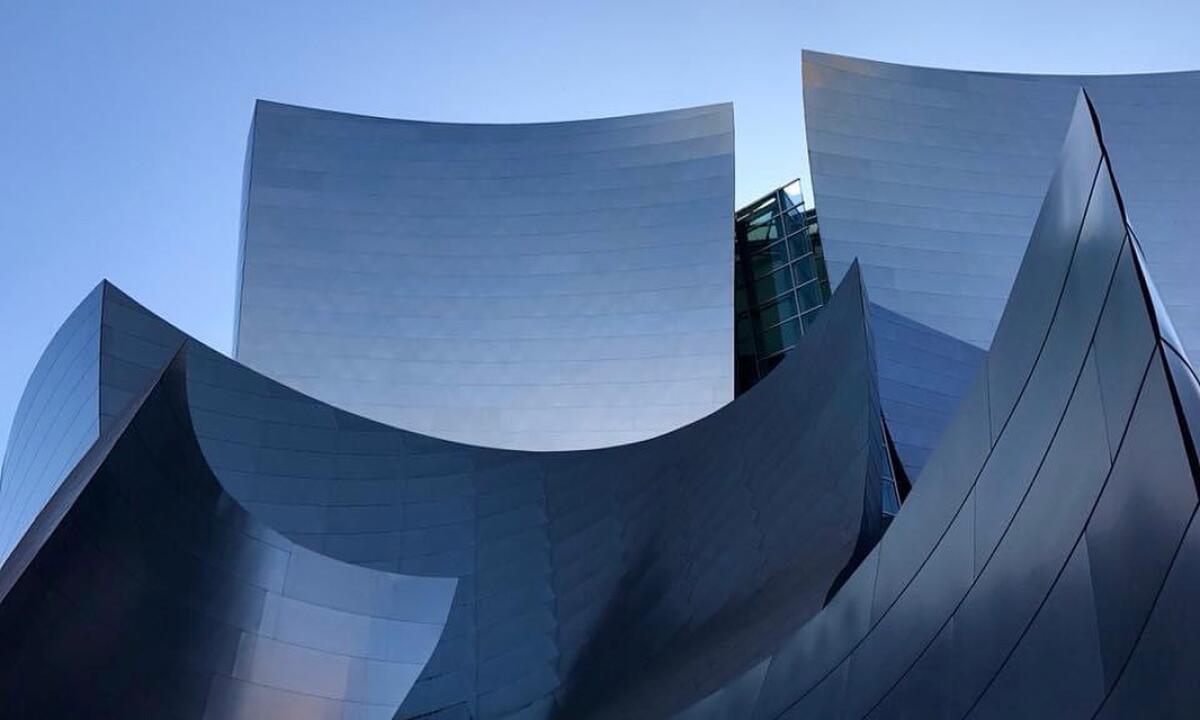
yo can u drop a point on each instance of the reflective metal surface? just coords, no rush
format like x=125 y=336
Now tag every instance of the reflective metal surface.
x=1047 y=546
x=923 y=375
x=601 y=583
x=545 y=286
x=57 y=419
x=932 y=179
x=144 y=590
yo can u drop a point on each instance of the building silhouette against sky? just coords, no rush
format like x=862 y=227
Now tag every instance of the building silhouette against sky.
x=479 y=455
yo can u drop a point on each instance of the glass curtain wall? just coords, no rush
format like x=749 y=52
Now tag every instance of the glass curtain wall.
x=780 y=280
x=780 y=284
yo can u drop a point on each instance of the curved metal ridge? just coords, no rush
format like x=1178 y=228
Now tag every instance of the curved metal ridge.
x=623 y=581
x=144 y=589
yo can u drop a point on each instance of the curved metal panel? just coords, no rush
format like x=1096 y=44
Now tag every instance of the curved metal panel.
x=144 y=590
x=923 y=375
x=634 y=579
x=933 y=178
x=1034 y=556
x=57 y=420
x=544 y=286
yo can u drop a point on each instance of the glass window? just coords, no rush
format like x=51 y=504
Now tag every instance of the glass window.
x=891 y=501
x=767 y=261
x=767 y=231
x=808 y=318
x=773 y=284
x=763 y=210
x=774 y=312
x=810 y=296
x=792 y=196
x=794 y=220
x=779 y=338
x=801 y=244
x=805 y=269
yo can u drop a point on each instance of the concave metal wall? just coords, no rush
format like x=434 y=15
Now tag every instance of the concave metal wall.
x=1041 y=565
x=144 y=590
x=543 y=286
x=932 y=180
x=600 y=583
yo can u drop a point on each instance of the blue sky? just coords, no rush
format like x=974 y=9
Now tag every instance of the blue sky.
x=123 y=124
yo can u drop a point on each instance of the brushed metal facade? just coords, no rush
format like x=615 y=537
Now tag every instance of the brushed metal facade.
x=57 y=420
x=543 y=286
x=932 y=179
x=1047 y=562
x=271 y=556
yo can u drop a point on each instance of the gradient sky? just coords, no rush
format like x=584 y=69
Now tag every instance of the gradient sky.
x=123 y=124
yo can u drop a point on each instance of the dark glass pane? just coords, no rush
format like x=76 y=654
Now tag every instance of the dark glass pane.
x=891 y=502
x=805 y=269
x=743 y=329
x=810 y=296
x=801 y=244
x=774 y=312
x=767 y=231
x=774 y=284
x=809 y=318
x=768 y=260
x=794 y=220
x=779 y=337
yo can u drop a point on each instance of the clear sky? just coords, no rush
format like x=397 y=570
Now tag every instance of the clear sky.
x=123 y=124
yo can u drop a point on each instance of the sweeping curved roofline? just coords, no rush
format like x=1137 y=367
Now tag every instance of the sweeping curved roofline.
x=517 y=123
x=535 y=286
x=1007 y=74
x=573 y=568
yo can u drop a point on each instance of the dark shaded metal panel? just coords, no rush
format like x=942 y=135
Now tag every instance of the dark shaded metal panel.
x=1011 y=588
x=151 y=592
x=1137 y=525
x=713 y=509
x=1125 y=339
x=894 y=666
x=1056 y=669
x=804 y=658
x=135 y=346
x=1035 y=420
x=1038 y=291
x=541 y=286
x=951 y=472
x=57 y=419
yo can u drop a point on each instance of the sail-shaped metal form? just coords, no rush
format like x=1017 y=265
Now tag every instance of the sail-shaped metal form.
x=1045 y=564
x=307 y=562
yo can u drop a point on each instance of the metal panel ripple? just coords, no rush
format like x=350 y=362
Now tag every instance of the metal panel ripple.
x=545 y=286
